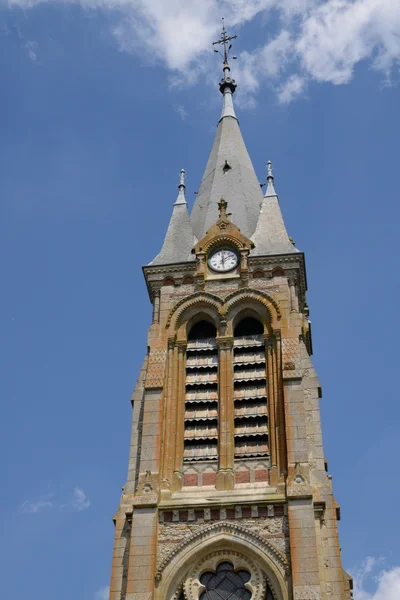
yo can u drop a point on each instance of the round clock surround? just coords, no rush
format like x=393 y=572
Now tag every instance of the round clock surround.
x=223 y=260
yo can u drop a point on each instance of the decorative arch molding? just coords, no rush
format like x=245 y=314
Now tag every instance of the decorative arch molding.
x=249 y=294
x=198 y=298
x=220 y=539
x=222 y=239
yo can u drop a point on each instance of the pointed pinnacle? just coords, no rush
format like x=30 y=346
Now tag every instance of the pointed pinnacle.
x=181 y=199
x=270 y=181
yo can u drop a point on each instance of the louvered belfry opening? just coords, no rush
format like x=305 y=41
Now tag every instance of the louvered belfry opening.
x=250 y=390
x=201 y=394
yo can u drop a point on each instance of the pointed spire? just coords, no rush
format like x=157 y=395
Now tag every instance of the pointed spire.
x=270 y=236
x=229 y=171
x=179 y=239
x=181 y=199
x=270 y=181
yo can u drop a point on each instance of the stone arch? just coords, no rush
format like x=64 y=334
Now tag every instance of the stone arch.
x=219 y=541
x=256 y=297
x=200 y=300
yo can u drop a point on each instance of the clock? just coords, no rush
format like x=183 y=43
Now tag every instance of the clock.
x=223 y=260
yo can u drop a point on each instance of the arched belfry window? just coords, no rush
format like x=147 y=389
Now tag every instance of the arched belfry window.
x=250 y=390
x=201 y=394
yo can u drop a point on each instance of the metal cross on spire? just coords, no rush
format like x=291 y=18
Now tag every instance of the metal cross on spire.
x=225 y=39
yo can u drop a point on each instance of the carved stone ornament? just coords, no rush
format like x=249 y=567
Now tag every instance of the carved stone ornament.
x=298 y=485
x=239 y=533
x=193 y=588
x=147 y=491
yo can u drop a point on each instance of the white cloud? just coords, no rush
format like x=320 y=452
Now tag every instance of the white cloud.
x=31 y=48
x=36 y=506
x=79 y=500
x=182 y=112
x=321 y=40
x=291 y=88
x=103 y=593
x=386 y=581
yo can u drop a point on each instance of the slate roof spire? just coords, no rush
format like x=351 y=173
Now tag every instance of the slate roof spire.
x=229 y=171
x=271 y=236
x=179 y=239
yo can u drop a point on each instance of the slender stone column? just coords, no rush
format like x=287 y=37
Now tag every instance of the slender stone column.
x=169 y=425
x=180 y=419
x=226 y=444
x=269 y=347
x=156 y=306
x=280 y=413
x=171 y=408
x=294 y=301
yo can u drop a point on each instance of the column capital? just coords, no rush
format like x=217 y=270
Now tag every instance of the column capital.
x=224 y=341
x=268 y=340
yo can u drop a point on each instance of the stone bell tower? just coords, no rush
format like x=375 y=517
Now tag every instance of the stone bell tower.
x=227 y=494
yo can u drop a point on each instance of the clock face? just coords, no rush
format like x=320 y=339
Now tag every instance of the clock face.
x=223 y=260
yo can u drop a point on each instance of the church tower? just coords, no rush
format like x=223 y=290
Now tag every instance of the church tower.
x=227 y=495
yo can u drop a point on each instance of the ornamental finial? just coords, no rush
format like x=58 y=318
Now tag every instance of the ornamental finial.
x=270 y=181
x=181 y=187
x=227 y=86
x=182 y=178
x=224 y=41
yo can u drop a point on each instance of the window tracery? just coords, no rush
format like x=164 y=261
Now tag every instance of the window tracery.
x=225 y=583
x=235 y=578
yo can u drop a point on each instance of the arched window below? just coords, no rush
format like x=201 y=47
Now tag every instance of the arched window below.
x=225 y=583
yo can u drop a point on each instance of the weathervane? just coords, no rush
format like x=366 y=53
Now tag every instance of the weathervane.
x=224 y=41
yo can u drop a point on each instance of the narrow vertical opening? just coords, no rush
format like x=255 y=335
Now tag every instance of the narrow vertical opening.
x=201 y=399
x=250 y=396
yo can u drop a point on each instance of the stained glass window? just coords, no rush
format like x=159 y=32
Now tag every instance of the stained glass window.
x=225 y=584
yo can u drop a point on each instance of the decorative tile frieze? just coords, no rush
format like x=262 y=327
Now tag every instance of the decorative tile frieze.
x=291 y=361
x=156 y=368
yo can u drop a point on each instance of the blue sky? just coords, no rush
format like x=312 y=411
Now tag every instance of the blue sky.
x=101 y=106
